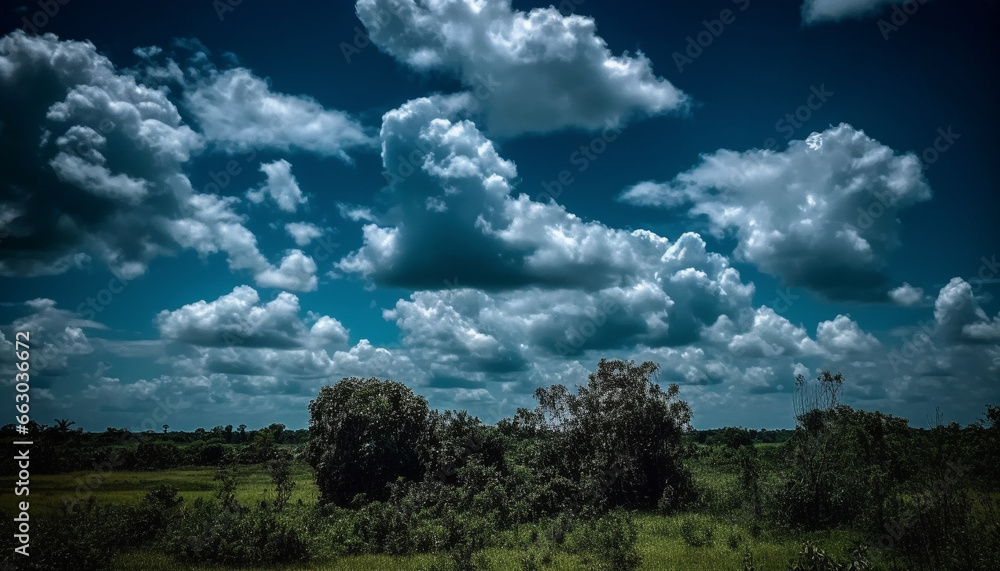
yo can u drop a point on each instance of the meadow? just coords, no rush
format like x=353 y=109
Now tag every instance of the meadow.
x=660 y=541
x=611 y=478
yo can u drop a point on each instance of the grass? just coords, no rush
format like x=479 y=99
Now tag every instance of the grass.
x=48 y=492
x=661 y=543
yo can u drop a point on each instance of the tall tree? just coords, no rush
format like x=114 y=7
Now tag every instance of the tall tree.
x=364 y=434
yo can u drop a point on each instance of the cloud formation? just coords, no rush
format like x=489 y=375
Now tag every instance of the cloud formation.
x=240 y=319
x=281 y=187
x=95 y=170
x=532 y=72
x=823 y=214
x=238 y=111
x=816 y=11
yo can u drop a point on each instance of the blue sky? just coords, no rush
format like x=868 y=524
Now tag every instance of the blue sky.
x=221 y=208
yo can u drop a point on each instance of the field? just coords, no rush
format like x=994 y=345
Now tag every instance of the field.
x=660 y=541
x=379 y=481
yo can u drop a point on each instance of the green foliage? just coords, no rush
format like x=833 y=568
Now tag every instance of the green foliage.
x=695 y=533
x=208 y=533
x=618 y=439
x=280 y=469
x=607 y=543
x=847 y=466
x=812 y=558
x=365 y=435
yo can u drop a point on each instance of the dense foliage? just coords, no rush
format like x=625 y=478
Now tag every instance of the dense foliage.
x=567 y=479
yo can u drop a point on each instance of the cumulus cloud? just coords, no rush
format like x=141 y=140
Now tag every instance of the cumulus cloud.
x=822 y=214
x=95 y=170
x=238 y=111
x=480 y=235
x=56 y=336
x=842 y=337
x=303 y=232
x=533 y=71
x=907 y=295
x=959 y=318
x=92 y=160
x=212 y=226
x=281 y=186
x=772 y=335
x=815 y=11
x=240 y=319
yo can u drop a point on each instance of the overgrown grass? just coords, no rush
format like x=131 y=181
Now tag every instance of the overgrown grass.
x=664 y=542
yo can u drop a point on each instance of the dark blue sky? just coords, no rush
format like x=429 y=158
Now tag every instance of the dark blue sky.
x=705 y=227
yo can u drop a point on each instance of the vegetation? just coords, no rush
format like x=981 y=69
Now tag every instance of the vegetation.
x=609 y=476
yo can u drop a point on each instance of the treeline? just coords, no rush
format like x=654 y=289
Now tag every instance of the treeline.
x=564 y=479
x=61 y=449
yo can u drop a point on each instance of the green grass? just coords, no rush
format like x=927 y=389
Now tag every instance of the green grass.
x=660 y=540
x=253 y=485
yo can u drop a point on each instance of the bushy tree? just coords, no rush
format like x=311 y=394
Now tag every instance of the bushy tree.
x=619 y=437
x=364 y=434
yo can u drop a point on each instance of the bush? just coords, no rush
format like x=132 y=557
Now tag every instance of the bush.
x=84 y=539
x=696 y=534
x=608 y=543
x=364 y=434
x=206 y=533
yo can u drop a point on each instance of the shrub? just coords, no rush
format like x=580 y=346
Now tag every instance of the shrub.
x=206 y=533
x=694 y=533
x=364 y=434
x=608 y=543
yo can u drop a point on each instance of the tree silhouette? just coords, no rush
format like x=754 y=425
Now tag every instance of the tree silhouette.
x=63 y=424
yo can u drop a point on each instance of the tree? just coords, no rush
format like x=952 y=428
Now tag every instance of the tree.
x=364 y=434
x=846 y=462
x=63 y=424
x=619 y=437
x=280 y=468
x=165 y=427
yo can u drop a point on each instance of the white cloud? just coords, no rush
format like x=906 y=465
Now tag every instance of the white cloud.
x=772 y=335
x=815 y=11
x=907 y=296
x=303 y=232
x=238 y=111
x=296 y=271
x=959 y=318
x=239 y=319
x=526 y=70
x=482 y=236
x=355 y=213
x=212 y=226
x=822 y=214
x=842 y=337
x=92 y=160
x=95 y=165
x=55 y=336
x=281 y=186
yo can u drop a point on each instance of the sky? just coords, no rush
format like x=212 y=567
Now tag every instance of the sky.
x=210 y=209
